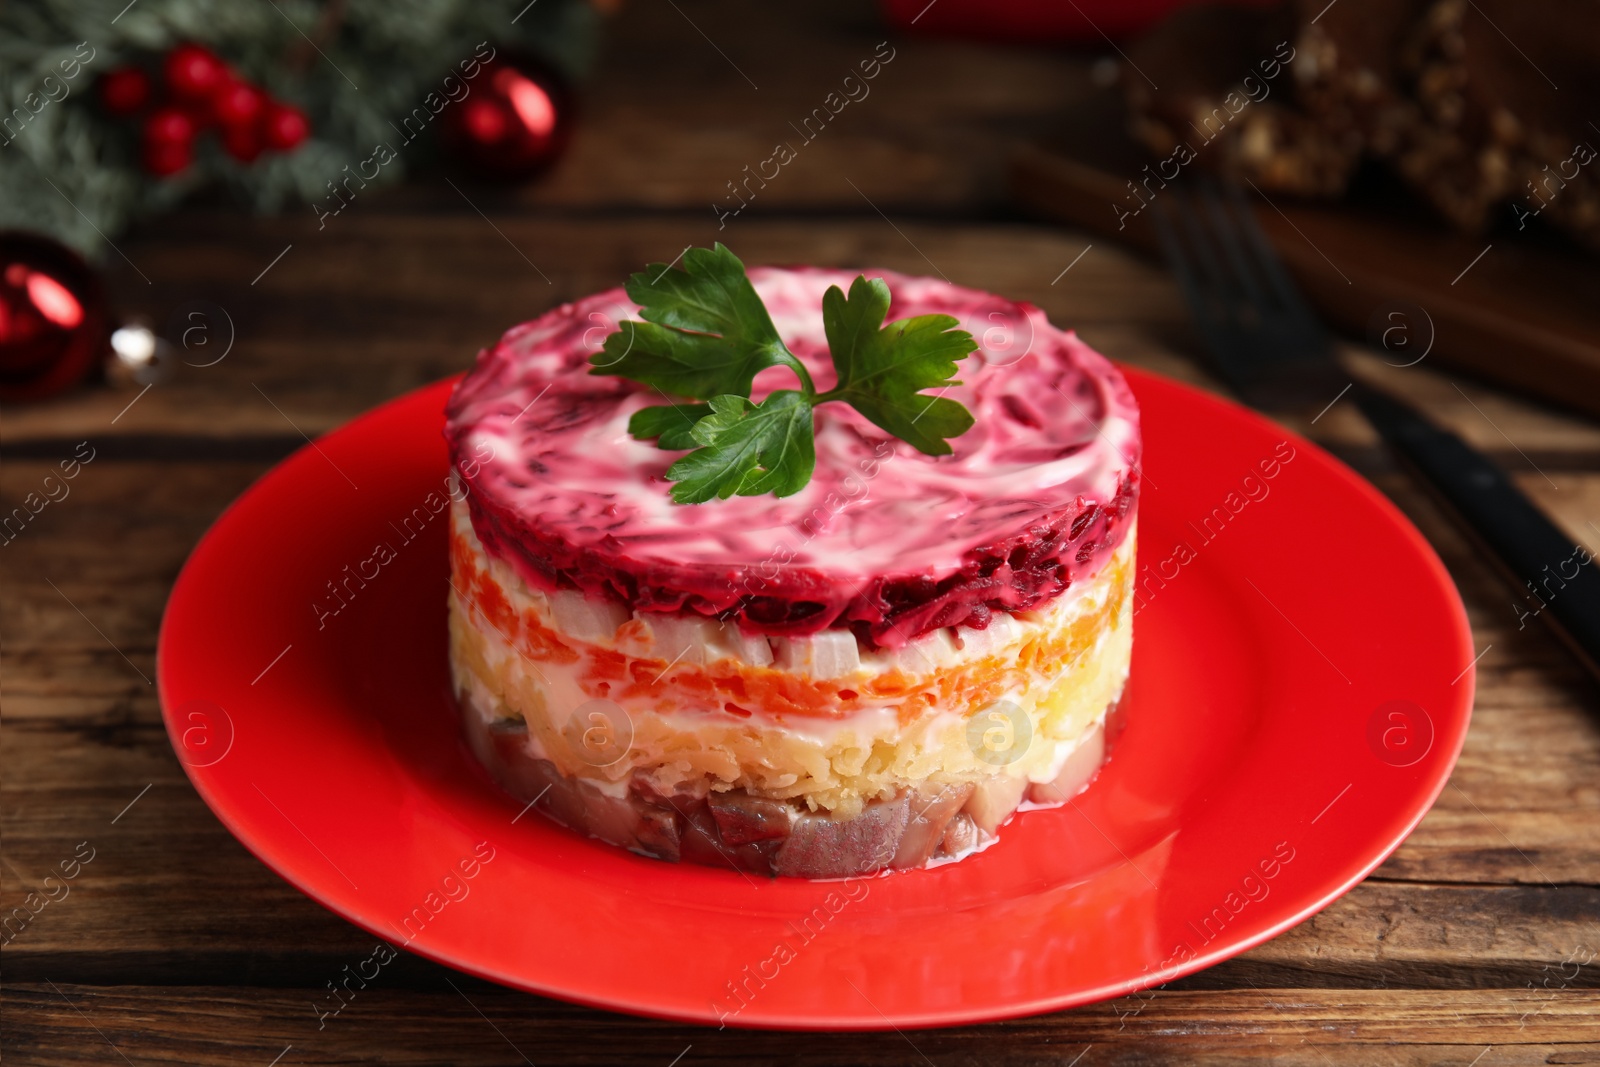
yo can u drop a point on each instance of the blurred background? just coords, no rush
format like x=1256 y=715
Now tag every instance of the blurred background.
x=227 y=226
x=1394 y=142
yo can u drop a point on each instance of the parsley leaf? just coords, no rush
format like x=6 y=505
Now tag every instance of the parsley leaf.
x=705 y=335
x=882 y=372
x=748 y=449
x=705 y=331
x=672 y=424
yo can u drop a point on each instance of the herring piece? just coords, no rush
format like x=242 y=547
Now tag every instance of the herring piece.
x=1076 y=772
x=994 y=800
x=701 y=842
x=503 y=747
x=960 y=836
x=742 y=818
x=931 y=812
x=822 y=847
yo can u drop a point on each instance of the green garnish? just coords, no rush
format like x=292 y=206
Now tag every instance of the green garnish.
x=706 y=335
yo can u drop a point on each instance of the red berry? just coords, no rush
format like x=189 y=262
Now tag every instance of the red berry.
x=284 y=126
x=238 y=104
x=163 y=158
x=168 y=141
x=194 y=73
x=125 y=90
x=169 y=126
x=242 y=142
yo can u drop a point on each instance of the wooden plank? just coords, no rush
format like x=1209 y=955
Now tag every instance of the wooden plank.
x=669 y=120
x=478 y=1024
x=1520 y=317
x=400 y=301
x=170 y=897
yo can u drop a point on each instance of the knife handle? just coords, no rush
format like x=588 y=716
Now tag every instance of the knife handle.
x=1529 y=549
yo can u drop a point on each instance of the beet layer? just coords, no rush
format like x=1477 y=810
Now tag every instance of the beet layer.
x=883 y=540
x=1013 y=574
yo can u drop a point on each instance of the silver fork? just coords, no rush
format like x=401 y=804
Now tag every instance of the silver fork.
x=1267 y=344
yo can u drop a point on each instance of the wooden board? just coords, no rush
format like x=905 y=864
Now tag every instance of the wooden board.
x=1519 y=310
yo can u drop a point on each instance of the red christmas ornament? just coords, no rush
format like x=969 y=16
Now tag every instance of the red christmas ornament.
x=53 y=319
x=238 y=104
x=125 y=90
x=284 y=127
x=515 y=123
x=194 y=73
x=485 y=121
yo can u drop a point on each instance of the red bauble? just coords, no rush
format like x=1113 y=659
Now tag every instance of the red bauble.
x=125 y=90
x=194 y=73
x=284 y=127
x=52 y=317
x=238 y=104
x=485 y=121
x=514 y=123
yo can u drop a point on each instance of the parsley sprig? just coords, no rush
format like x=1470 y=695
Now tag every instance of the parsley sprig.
x=705 y=335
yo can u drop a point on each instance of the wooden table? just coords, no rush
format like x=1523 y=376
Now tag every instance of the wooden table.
x=175 y=945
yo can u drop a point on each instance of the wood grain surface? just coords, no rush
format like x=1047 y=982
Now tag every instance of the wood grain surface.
x=176 y=946
x=1523 y=318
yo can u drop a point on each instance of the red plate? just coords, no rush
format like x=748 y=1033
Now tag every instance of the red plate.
x=1301 y=686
